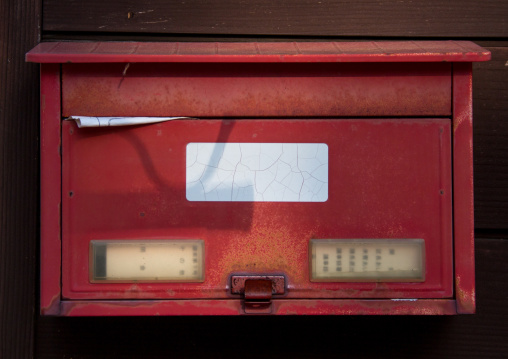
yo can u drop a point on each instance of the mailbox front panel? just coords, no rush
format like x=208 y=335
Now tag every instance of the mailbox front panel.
x=386 y=179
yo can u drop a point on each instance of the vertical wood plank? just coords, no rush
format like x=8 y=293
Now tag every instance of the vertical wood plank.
x=19 y=31
x=490 y=113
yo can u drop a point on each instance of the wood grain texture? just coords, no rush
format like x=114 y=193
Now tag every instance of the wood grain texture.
x=366 y=18
x=490 y=113
x=482 y=335
x=19 y=99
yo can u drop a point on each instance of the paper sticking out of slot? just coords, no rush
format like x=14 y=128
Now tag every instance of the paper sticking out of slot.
x=89 y=121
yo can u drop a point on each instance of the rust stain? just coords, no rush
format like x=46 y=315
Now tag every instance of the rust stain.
x=459 y=120
x=259 y=95
x=173 y=307
x=53 y=308
x=135 y=292
x=270 y=247
x=86 y=96
x=466 y=300
x=378 y=291
x=363 y=307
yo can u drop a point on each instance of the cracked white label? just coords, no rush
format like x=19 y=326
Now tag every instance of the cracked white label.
x=257 y=172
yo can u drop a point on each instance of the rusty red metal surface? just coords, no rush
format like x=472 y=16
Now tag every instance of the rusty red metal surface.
x=392 y=177
x=387 y=179
x=463 y=206
x=386 y=51
x=51 y=256
x=257 y=90
x=279 y=307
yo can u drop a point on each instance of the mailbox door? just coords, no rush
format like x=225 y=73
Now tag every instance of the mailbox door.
x=383 y=178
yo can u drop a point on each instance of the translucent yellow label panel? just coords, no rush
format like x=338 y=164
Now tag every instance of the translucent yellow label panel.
x=146 y=261
x=367 y=260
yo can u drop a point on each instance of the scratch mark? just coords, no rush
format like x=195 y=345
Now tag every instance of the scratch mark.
x=154 y=22
x=123 y=74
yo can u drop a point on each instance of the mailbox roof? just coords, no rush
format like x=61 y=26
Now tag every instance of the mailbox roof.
x=387 y=51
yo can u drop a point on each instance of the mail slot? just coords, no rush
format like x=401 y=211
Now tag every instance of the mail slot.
x=256 y=178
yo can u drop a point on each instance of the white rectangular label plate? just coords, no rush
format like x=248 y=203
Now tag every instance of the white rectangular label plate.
x=146 y=260
x=367 y=260
x=257 y=172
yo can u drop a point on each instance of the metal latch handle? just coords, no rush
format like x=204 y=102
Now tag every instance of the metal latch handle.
x=258 y=291
x=258 y=295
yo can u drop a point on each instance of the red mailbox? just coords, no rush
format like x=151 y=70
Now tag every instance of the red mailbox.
x=256 y=178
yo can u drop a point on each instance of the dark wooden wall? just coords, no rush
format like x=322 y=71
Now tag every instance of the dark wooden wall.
x=23 y=333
